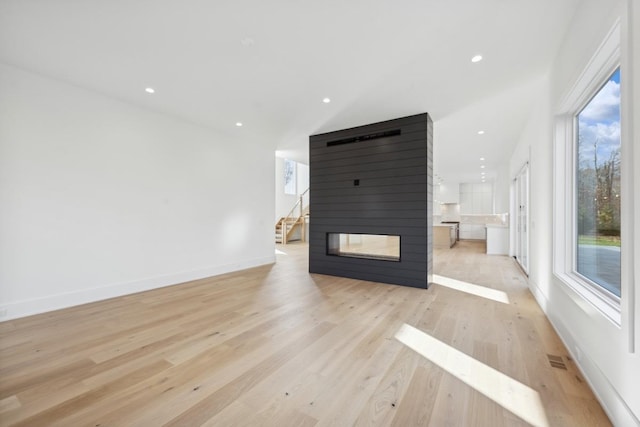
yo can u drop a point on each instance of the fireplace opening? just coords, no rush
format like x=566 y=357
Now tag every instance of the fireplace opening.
x=369 y=246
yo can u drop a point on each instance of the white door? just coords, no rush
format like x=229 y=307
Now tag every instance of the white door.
x=522 y=218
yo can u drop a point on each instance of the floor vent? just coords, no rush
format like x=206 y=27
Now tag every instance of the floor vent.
x=556 y=362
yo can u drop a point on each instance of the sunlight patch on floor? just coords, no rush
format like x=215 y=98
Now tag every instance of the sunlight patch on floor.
x=470 y=288
x=512 y=395
x=279 y=252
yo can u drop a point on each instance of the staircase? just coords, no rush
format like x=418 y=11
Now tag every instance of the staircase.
x=290 y=225
x=287 y=226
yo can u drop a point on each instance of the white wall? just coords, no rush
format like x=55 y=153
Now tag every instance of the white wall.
x=501 y=190
x=535 y=146
x=303 y=177
x=99 y=198
x=600 y=348
x=633 y=27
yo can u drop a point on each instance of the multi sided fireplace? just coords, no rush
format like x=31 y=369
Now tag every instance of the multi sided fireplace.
x=371 y=202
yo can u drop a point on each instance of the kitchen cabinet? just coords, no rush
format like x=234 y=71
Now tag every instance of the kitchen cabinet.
x=476 y=198
x=477 y=203
x=472 y=231
x=487 y=204
x=466 y=203
x=497 y=239
x=450 y=192
x=478 y=232
x=465 y=231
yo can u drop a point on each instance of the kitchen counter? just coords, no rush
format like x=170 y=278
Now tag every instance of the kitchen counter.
x=444 y=235
x=497 y=239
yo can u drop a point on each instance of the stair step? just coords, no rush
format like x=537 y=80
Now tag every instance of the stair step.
x=286 y=225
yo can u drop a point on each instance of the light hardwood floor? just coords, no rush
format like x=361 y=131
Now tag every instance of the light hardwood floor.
x=276 y=346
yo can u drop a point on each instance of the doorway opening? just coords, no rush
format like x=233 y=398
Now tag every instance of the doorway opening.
x=520 y=215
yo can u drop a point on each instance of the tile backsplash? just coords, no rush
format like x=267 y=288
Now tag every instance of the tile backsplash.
x=450 y=212
x=502 y=219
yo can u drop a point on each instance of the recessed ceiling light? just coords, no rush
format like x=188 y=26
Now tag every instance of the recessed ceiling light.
x=480 y=132
x=482 y=166
x=476 y=58
x=482 y=159
x=238 y=124
x=150 y=90
x=326 y=100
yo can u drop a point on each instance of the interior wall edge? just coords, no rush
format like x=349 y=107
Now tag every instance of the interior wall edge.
x=101 y=199
x=19 y=309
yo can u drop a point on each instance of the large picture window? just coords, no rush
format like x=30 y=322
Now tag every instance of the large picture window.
x=598 y=187
x=589 y=184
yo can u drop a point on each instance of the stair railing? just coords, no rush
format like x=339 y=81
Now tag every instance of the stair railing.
x=284 y=221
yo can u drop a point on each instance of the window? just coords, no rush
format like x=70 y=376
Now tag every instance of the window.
x=597 y=189
x=290 y=182
x=589 y=164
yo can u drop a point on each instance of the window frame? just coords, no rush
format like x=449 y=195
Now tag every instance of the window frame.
x=565 y=235
x=294 y=177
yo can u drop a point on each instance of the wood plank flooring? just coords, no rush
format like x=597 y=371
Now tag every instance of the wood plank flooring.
x=275 y=346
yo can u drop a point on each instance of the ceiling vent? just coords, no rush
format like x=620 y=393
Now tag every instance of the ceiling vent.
x=368 y=137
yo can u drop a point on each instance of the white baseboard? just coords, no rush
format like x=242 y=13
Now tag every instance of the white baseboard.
x=613 y=404
x=48 y=303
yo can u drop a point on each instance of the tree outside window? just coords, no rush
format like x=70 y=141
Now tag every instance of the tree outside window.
x=598 y=187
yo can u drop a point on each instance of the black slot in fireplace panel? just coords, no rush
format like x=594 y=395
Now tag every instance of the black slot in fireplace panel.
x=381 y=185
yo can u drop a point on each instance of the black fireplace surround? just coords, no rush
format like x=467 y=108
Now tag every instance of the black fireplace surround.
x=371 y=202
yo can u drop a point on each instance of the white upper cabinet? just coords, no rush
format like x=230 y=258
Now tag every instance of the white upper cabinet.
x=450 y=193
x=476 y=198
x=466 y=202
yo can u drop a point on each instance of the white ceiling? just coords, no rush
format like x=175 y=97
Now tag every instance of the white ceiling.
x=269 y=64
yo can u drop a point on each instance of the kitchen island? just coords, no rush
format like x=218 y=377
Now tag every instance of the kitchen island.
x=444 y=235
